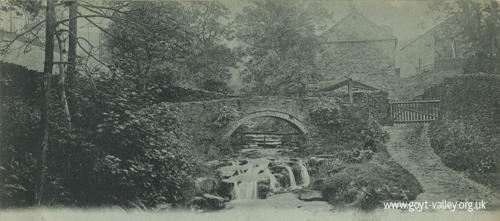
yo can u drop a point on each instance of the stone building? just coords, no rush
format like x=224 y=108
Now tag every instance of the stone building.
x=440 y=47
x=359 y=49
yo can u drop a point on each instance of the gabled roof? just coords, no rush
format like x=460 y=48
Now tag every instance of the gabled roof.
x=331 y=86
x=356 y=27
x=430 y=30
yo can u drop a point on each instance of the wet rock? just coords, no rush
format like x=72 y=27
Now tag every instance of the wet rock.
x=197 y=203
x=263 y=190
x=283 y=178
x=318 y=184
x=222 y=164
x=225 y=190
x=310 y=195
x=206 y=185
x=216 y=202
x=207 y=202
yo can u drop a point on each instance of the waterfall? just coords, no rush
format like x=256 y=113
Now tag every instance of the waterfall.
x=245 y=190
x=273 y=183
x=247 y=177
x=306 y=180
x=293 y=185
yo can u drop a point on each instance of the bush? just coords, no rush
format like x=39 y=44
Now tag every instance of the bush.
x=143 y=161
x=366 y=185
x=343 y=127
x=466 y=134
x=360 y=173
x=18 y=139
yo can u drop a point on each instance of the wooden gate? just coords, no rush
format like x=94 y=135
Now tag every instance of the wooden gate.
x=403 y=112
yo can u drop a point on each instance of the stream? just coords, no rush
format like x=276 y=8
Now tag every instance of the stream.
x=260 y=173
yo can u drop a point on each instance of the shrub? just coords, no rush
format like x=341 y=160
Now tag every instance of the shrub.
x=366 y=185
x=140 y=162
x=343 y=126
x=18 y=139
x=465 y=135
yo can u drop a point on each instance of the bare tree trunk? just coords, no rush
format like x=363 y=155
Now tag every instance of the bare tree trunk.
x=44 y=121
x=73 y=34
x=453 y=53
x=62 y=82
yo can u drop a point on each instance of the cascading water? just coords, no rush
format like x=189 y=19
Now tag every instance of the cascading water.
x=306 y=180
x=293 y=184
x=245 y=190
x=273 y=183
x=248 y=175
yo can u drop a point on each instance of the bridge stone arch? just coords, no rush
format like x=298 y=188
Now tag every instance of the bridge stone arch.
x=294 y=121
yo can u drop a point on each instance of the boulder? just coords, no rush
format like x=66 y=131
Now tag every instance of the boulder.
x=206 y=185
x=310 y=195
x=263 y=189
x=214 y=202
x=207 y=202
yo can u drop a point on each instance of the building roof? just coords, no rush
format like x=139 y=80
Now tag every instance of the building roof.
x=356 y=27
x=334 y=85
x=430 y=30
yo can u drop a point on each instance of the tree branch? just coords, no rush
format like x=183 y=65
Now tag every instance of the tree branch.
x=89 y=53
x=6 y=48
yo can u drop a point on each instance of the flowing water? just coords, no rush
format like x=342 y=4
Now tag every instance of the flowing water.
x=306 y=180
x=264 y=174
x=291 y=177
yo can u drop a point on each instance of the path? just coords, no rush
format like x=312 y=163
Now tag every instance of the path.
x=438 y=181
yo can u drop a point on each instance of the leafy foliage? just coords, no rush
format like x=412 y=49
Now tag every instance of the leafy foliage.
x=465 y=136
x=367 y=185
x=345 y=126
x=18 y=132
x=279 y=46
x=473 y=30
x=172 y=43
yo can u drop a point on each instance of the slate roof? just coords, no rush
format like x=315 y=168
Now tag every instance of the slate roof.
x=356 y=27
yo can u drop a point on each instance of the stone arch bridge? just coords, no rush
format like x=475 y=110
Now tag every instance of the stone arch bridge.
x=217 y=119
x=198 y=115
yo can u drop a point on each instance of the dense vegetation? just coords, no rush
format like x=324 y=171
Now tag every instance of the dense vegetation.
x=115 y=155
x=103 y=137
x=466 y=134
x=359 y=172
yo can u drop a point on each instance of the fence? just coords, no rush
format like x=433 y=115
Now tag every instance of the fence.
x=421 y=111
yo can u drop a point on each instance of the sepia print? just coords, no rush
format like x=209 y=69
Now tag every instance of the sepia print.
x=249 y=110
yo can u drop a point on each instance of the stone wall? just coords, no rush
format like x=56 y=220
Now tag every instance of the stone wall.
x=215 y=120
x=211 y=123
x=377 y=102
x=360 y=58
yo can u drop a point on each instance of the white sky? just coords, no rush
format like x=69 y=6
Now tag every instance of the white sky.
x=403 y=16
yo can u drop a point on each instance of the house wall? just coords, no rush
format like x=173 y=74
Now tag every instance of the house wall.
x=422 y=49
x=357 y=59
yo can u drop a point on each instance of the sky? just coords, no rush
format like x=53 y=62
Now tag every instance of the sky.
x=405 y=17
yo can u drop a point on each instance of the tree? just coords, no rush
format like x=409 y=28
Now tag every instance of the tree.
x=184 y=44
x=87 y=148
x=472 y=26
x=50 y=28
x=279 y=45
